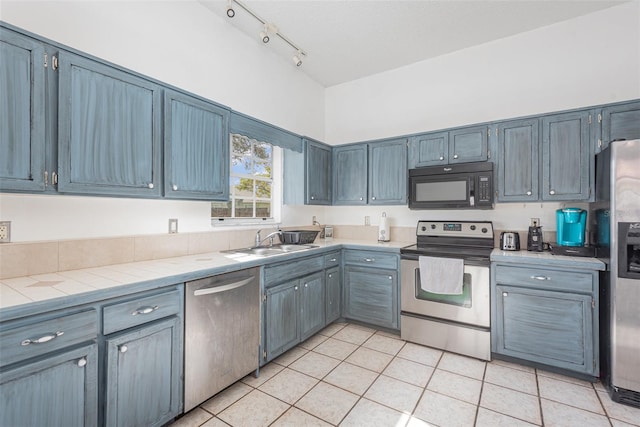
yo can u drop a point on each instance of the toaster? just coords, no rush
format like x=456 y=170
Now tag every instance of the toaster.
x=509 y=241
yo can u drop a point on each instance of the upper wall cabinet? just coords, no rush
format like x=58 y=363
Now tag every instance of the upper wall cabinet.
x=565 y=156
x=109 y=130
x=318 y=174
x=619 y=122
x=196 y=147
x=469 y=144
x=350 y=175
x=388 y=172
x=517 y=167
x=22 y=113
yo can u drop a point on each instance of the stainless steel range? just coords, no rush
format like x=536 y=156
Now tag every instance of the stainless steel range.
x=454 y=318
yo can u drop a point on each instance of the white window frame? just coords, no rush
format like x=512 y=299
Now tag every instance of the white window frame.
x=276 y=193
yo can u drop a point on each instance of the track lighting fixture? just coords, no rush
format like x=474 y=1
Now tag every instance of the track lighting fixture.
x=268 y=30
x=230 y=12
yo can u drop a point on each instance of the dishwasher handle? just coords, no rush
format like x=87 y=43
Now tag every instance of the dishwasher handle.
x=207 y=290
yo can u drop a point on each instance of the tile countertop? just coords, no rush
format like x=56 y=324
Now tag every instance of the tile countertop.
x=546 y=258
x=22 y=296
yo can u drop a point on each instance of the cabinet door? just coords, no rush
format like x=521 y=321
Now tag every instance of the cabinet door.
x=108 y=130
x=144 y=369
x=517 y=169
x=312 y=305
x=318 y=174
x=61 y=390
x=196 y=148
x=468 y=144
x=565 y=156
x=553 y=328
x=350 y=175
x=620 y=122
x=281 y=318
x=429 y=150
x=22 y=139
x=333 y=289
x=371 y=296
x=388 y=172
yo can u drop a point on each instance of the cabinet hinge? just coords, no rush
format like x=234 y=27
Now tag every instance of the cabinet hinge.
x=46 y=178
x=593 y=303
x=589 y=118
x=488 y=154
x=599 y=121
x=46 y=60
x=264 y=298
x=599 y=143
x=54 y=178
x=54 y=62
x=489 y=132
x=264 y=354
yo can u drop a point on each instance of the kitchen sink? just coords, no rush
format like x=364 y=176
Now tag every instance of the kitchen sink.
x=266 y=251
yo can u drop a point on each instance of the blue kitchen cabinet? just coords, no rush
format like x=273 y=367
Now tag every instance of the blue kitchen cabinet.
x=620 y=121
x=143 y=375
x=547 y=316
x=334 y=289
x=566 y=160
x=469 y=144
x=22 y=113
x=60 y=390
x=109 y=130
x=318 y=173
x=350 y=174
x=312 y=304
x=388 y=173
x=431 y=149
x=196 y=148
x=281 y=319
x=517 y=146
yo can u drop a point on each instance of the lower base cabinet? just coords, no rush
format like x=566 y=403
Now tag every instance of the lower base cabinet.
x=60 y=390
x=143 y=375
x=371 y=296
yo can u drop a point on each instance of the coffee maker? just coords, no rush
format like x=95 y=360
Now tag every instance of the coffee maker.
x=534 y=237
x=571 y=226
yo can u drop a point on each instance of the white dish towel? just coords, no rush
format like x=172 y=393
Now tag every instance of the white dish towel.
x=441 y=275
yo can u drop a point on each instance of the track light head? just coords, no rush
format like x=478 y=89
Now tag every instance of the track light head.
x=297 y=59
x=230 y=12
x=264 y=34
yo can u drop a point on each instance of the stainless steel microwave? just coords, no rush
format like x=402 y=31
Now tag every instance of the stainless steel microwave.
x=459 y=186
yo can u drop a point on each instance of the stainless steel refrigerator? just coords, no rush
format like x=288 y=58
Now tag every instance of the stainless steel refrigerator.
x=615 y=229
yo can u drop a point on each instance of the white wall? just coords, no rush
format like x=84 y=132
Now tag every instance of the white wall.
x=594 y=59
x=178 y=42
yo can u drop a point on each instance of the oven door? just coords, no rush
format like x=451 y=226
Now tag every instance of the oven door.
x=471 y=308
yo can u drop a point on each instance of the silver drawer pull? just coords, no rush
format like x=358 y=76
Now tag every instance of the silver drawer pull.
x=82 y=362
x=123 y=348
x=333 y=260
x=295 y=288
x=390 y=277
x=541 y=277
x=504 y=294
x=43 y=339
x=145 y=310
x=330 y=276
x=369 y=259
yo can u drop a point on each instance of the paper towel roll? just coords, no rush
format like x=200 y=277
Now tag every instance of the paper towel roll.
x=383 y=229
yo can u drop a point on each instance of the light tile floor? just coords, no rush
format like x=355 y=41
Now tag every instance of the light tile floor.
x=350 y=375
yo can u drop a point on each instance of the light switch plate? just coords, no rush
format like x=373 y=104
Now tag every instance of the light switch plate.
x=173 y=225
x=5 y=231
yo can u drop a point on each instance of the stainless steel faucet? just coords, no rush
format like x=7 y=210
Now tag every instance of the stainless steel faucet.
x=258 y=240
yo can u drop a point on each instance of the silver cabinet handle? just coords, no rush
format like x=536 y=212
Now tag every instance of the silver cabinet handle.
x=504 y=294
x=448 y=169
x=330 y=275
x=82 y=362
x=373 y=198
x=390 y=277
x=552 y=192
x=174 y=187
x=361 y=198
x=333 y=260
x=441 y=158
x=306 y=285
x=528 y=193
x=295 y=288
x=541 y=277
x=455 y=156
x=222 y=288
x=369 y=259
x=144 y=310
x=123 y=348
x=150 y=185
x=313 y=198
x=43 y=339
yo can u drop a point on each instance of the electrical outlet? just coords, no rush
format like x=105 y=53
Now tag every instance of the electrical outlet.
x=173 y=225
x=313 y=220
x=367 y=220
x=5 y=231
x=535 y=222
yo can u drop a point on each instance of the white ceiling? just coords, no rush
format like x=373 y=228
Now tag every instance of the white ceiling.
x=349 y=39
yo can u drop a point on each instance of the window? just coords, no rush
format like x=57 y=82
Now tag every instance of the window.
x=251 y=180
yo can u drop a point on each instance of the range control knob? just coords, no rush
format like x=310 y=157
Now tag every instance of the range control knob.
x=484 y=230
x=473 y=227
x=423 y=228
x=433 y=226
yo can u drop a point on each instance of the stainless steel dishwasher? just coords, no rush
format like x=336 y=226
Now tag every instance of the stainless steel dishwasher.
x=222 y=333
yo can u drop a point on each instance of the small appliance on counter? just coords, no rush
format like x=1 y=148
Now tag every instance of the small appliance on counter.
x=509 y=241
x=383 y=228
x=571 y=226
x=534 y=237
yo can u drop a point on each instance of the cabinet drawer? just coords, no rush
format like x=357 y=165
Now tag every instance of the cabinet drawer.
x=371 y=259
x=542 y=278
x=283 y=272
x=332 y=260
x=124 y=315
x=46 y=335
